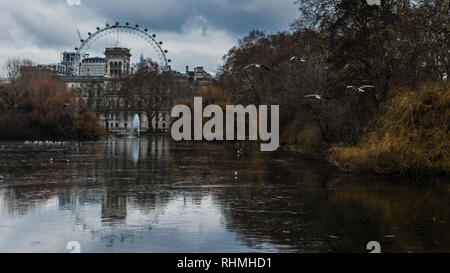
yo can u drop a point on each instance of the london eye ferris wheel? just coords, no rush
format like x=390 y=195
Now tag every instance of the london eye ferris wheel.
x=141 y=43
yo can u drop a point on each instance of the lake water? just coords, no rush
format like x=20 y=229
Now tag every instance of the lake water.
x=156 y=195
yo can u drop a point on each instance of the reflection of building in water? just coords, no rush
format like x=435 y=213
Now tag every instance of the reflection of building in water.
x=123 y=150
x=133 y=149
x=159 y=148
x=114 y=206
x=65 y=200
x=68 y=199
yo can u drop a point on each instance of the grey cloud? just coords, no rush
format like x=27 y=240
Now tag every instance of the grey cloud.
x=37 y=28
x=237 y=16
x=43 y=24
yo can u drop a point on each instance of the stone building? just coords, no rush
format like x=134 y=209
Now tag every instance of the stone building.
x=93 y=67
x=117 y=62
x=99 y=85
x=198 y=76
x=102 y=95
x=101 y=92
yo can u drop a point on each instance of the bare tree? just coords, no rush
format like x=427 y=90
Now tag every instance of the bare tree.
x=144 y=92
x=106 y=100
x=11 y=68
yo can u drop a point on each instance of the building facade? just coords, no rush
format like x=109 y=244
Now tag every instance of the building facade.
x=198 y=76
x=102 y=95
x=93 y=67
x=117 y=62
x=99 y=86
x=68 y=59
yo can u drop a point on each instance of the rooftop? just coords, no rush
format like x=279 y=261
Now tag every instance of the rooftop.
x=117 y=51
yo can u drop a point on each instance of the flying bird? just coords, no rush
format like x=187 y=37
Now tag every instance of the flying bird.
x=316 y=96
x=360 y=89
x=257 y=66
x=295 y=58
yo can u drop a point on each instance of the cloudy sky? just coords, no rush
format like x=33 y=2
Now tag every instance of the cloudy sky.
x=196 y=32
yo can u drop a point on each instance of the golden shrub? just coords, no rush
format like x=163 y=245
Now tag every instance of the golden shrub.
x=87 y=125
x=410 y=135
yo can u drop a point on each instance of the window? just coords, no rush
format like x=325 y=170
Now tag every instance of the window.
x=117 y=125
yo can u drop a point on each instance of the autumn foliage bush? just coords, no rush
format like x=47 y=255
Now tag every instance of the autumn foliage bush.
x=410 y=135
x=43 y=108
x=86 y=125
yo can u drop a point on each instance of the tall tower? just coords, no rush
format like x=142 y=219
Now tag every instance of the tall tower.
x=117 y=62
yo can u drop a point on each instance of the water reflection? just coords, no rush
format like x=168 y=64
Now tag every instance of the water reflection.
x=155 y=195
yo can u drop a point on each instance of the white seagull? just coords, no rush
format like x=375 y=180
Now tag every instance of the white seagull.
x=295 y=58
x=319 y=97
x=257 y=66
x=360 y=89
